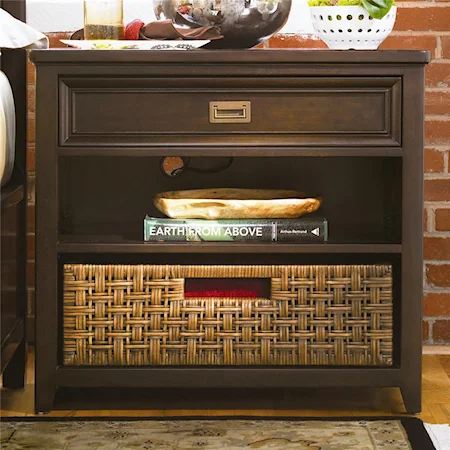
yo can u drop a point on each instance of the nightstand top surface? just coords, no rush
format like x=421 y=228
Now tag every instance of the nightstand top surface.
x=254 y=56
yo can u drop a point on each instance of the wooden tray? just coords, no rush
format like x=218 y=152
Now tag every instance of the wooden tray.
x=227 y=203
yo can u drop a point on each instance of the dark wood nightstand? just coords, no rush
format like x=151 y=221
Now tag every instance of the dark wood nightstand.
x=345 y=124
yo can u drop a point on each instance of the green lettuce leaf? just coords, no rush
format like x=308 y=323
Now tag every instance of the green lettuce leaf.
x=377 y=8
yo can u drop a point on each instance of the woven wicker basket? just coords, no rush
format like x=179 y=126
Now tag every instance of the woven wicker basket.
x=316 y=315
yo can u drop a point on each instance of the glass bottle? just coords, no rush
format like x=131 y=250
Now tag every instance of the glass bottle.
x=103 y=19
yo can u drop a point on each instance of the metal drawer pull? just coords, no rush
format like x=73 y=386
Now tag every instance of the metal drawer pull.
x=230 y=112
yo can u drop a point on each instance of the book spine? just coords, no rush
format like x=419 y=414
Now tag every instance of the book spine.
x=264 y=230
x=206 y=231
x=302 y=231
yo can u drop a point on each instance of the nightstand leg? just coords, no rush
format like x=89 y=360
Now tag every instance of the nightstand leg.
x=48 y=301
x=44 y=396
x=412 y=398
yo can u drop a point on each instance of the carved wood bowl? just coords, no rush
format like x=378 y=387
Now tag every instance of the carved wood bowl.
x=225 y=203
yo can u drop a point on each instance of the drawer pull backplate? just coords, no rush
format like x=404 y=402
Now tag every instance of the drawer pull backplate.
x=230 y=112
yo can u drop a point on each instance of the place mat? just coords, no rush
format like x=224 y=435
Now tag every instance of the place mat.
x=134 y=45
x=163 y=30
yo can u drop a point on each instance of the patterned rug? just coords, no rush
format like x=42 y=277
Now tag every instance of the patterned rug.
x=190 y=434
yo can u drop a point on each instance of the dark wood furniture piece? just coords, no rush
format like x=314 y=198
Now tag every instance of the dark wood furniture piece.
x=347 y=125
x=14 y=223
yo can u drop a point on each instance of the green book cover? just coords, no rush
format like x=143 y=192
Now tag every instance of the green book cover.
x=305 y=229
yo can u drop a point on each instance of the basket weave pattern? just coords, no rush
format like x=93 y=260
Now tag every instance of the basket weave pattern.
x=316 y=315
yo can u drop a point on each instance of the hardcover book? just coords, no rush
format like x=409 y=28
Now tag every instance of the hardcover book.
x=304 y=229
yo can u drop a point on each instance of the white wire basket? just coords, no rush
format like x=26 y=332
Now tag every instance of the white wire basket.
x=351 y=27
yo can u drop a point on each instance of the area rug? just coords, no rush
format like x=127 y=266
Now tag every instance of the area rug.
x=223 y=434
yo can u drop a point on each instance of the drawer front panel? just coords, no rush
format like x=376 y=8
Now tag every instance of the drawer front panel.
x=177 y=112
x=143 y=315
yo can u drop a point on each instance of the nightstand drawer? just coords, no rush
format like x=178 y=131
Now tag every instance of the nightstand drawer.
x=146 y=315
x=231 y=112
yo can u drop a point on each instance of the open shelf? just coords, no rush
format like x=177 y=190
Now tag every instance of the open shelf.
x=362 y=202
x=92 y=244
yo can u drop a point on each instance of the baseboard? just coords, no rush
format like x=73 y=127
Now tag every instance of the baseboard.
x=436 y=350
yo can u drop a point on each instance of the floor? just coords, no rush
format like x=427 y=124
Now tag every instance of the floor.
x=322 y=402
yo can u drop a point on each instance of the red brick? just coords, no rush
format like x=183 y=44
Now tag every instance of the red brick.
x=438 y=275
x=31 y=187
x=425 y=219
x=442 y=219
x=425 y=332
x=31 y=128
x=31 y=249
x=445 y=42
x=31 y=98
x=434 y=160
x=295 y=41
x=422 y=19
x=437 y=190
x=31 y=303
x=441 y=332
x=436 y=304
x=30 y=274
x=394 y=42
x=31 y=219
x=31 y=160
x=438 y=74
x=437 y=102
x=55 y=39
x=436 y=248
x=31 y=333
x=437 y=130
x=31 y=73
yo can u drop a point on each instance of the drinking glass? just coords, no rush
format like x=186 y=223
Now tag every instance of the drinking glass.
x=103 y=19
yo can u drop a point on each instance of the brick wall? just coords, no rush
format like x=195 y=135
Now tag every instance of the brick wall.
x=420 y=25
